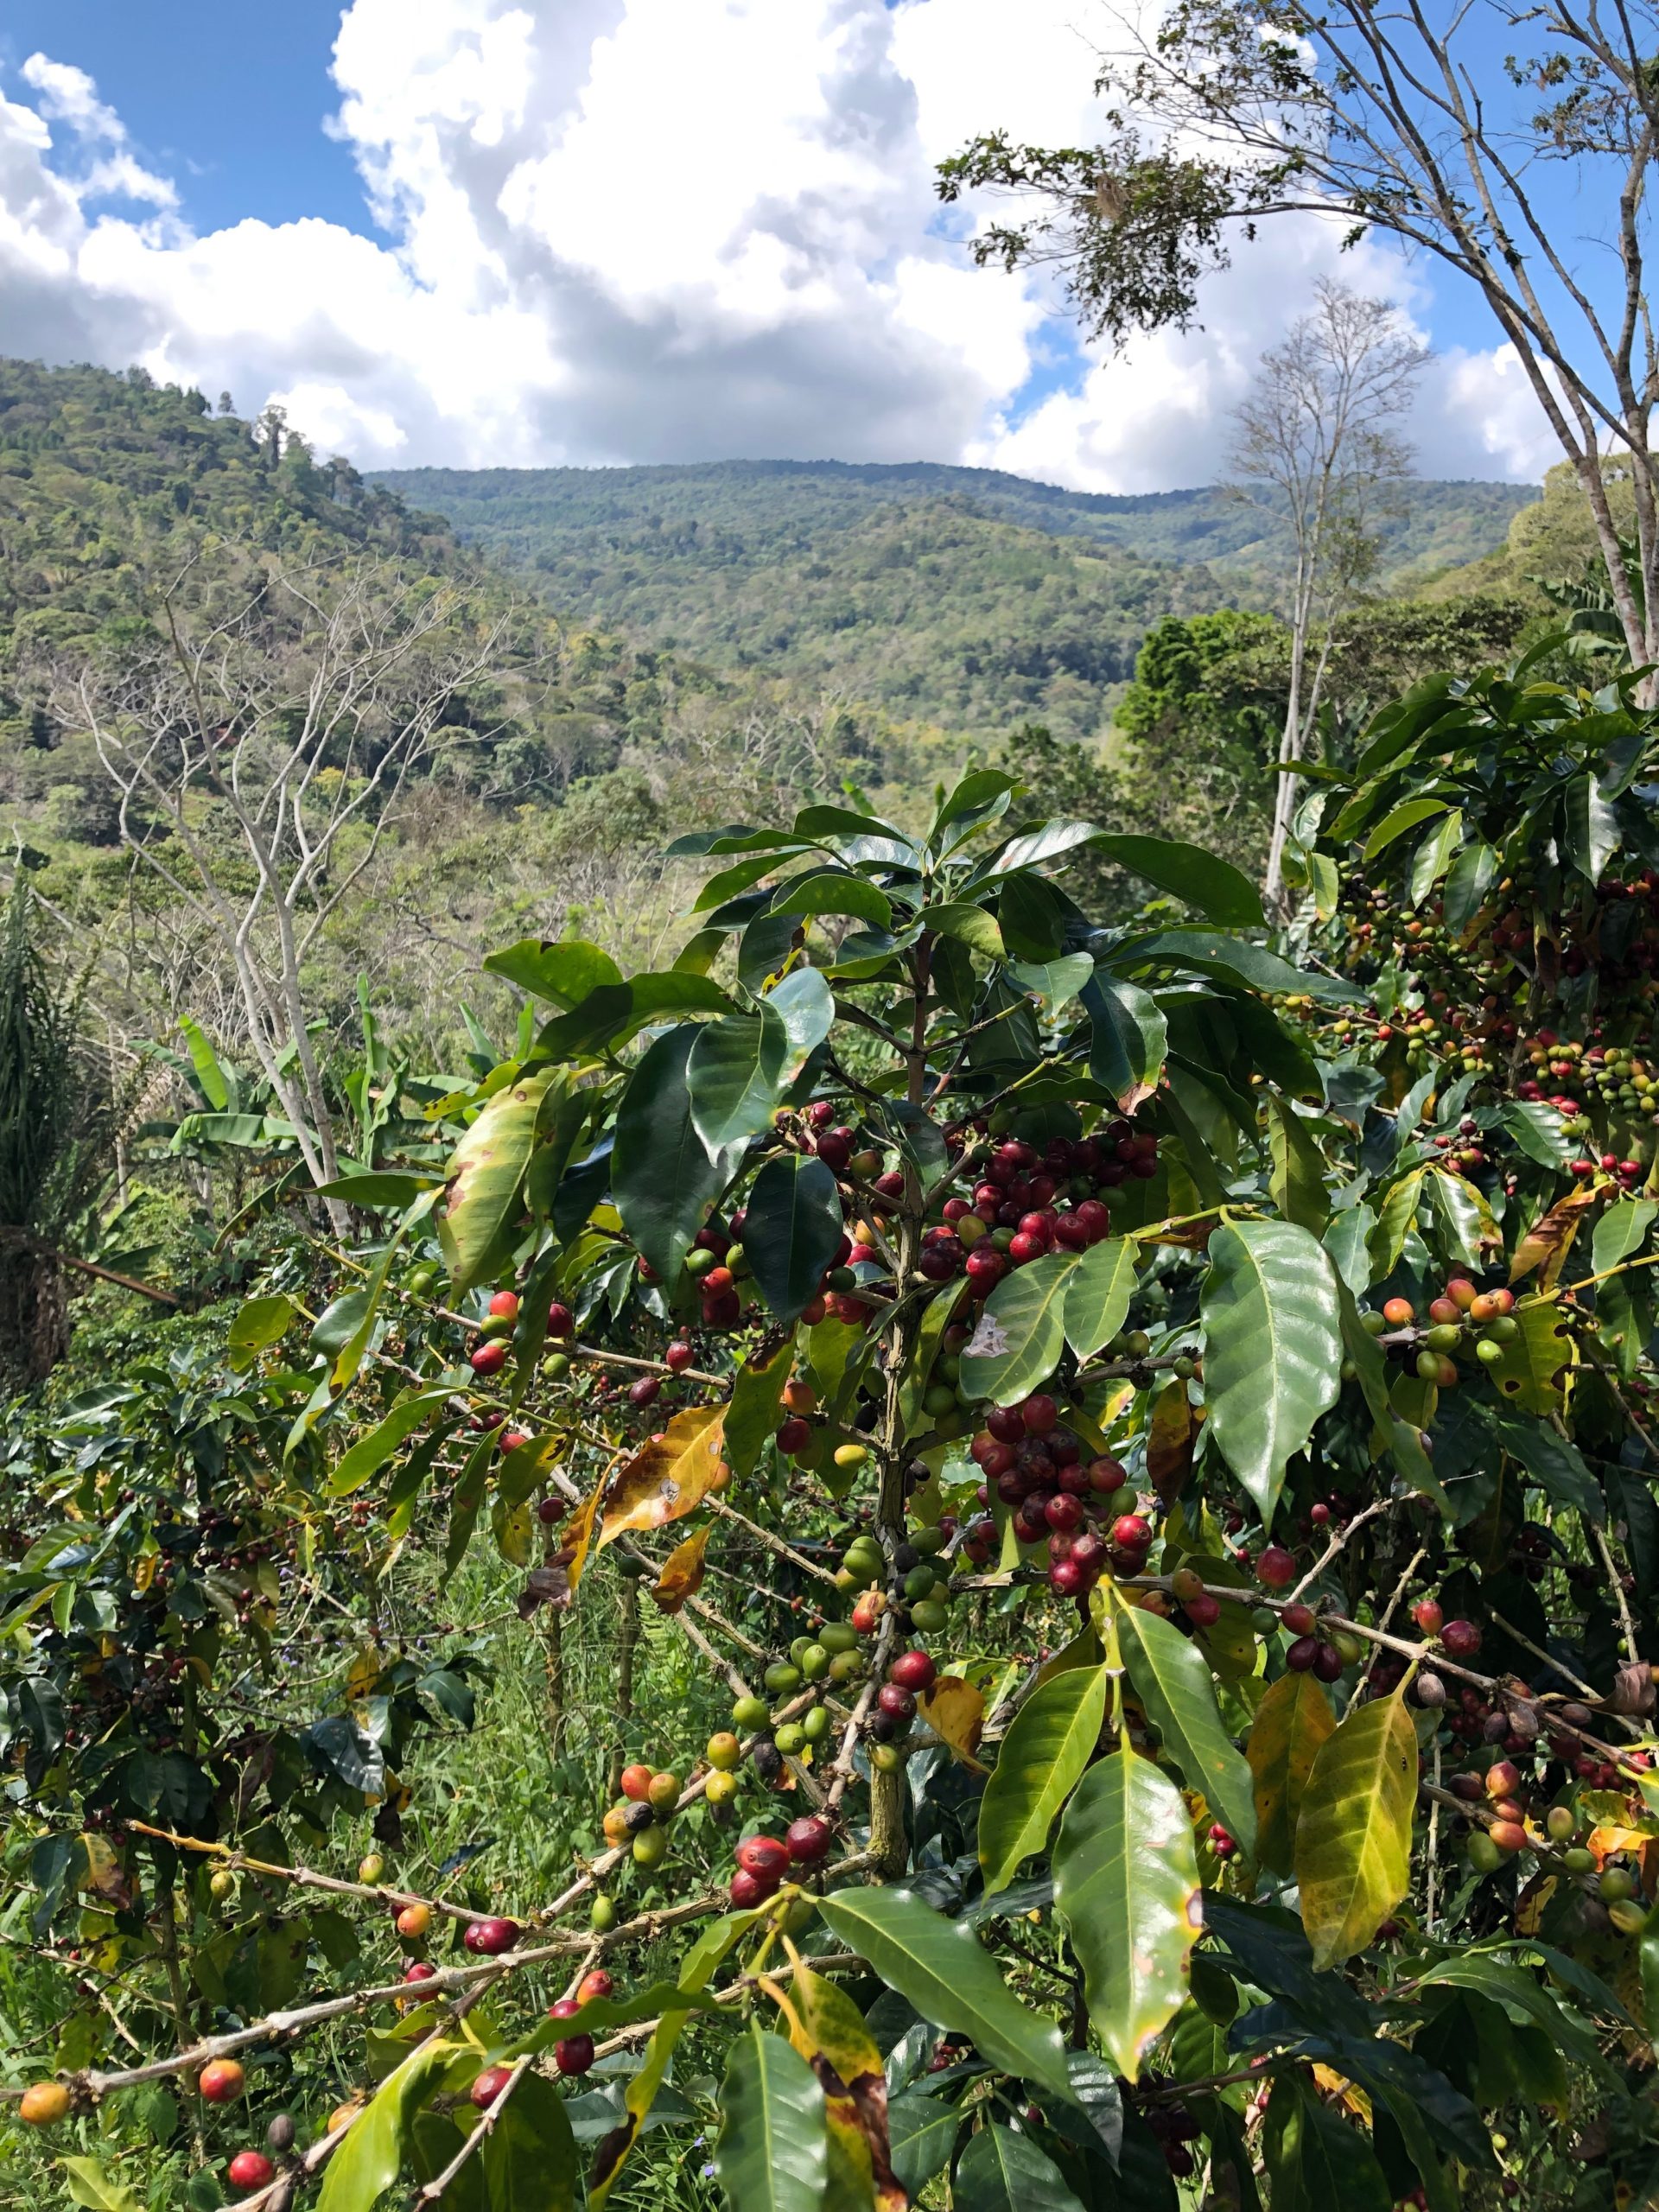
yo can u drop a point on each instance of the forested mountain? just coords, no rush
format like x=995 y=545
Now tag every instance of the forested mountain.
x=759 y=508
x=964 y=596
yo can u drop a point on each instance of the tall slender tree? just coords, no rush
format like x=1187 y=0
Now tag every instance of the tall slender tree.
x=1315 y=441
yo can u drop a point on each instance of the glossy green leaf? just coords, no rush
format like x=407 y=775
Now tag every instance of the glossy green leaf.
x=835 y=891
x=1317 y=2160
x=1537 y=1129
x=736 y=1074
x=792 y=1231
x=91 y=2186
x=1020 y=1333
x=1273 y=1348
x=1291 y=1724
x=1621 y=1230
x=369 y=1453
x=1098 y=1294
x=753 y=1412
x=564 y=972
x=1433 y=856
x=968 y=925
x=1297 y=1183
x=920 y=2134
x=805 y=1005
x=369 y=2160
x=385 y=1188
x=1212 y=953
x=1126 y=1890
x=1042 y=1759
x=1213 y=886
x=1353 y=1838
x=664 y=1178
x=1001 y=2171
x=1467 y=881
x=259 y=1323
x=772 y=2153
x=1128 y=1038
x=940 y=1966
x=486 y=1175
x=1396 y=824
x=529 y=2157
x=1171 y=1677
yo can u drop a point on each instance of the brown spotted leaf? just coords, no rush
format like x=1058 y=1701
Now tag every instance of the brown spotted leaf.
x=828 y=2030
x=671 y=1476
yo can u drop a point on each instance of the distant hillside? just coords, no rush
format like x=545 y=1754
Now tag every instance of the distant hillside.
x=530 y=512
x=960 y=596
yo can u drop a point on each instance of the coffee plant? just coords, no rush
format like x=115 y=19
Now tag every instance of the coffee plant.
x=1142 y=1437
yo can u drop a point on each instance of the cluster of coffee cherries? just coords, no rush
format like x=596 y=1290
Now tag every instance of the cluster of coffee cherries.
x=763 y=1861
x=1463 y=1319
x=1037 y=1467
x=639 y=1820
x=1027 y=1203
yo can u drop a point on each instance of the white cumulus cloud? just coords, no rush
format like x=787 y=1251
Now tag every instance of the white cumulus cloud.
x=659 y=230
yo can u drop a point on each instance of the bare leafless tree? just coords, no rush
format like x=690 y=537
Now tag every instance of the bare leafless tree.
x=1315 y=442
x=260 y=738
x=1225 y=114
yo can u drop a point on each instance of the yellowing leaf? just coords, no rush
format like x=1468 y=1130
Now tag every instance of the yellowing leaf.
x=682 y=1574
x=1534 y=1360
x=1292 y=1722
x=670 y=1477
x=828 y=2030
x=1353 y=1836
x=1546 y=1243
x=954 y=1711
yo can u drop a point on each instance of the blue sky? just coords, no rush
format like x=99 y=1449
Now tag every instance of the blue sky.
x=619 y=230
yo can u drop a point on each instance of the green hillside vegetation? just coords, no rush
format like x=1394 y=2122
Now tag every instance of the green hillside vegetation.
x=965 y=597
x=752 y=509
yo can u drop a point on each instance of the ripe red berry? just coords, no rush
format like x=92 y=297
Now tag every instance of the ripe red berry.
x=808 y=1840
x=1460 y=1639
x=912 y=1670
x=1064 y=1511
x=1428 y=1615
x=574 y=2054
x=1039 y=1413
x=489 y=1358
x=764 y=1856
x=1301 y=1655
x=1105 y=1475
x=561 y=1321
x=897 y=1704
x=594 y=1985
x=1130 y=1533
x=488 y=1939
x=220 y=2081
x=748 y=1889
x=1297 y=1620
x=1068 y=1578
x=489 y=2085
x=503 y=1306
x=251 y=2169
x=1275 y=1569
x=678 y=1356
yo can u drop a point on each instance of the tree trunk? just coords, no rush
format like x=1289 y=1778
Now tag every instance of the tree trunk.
x=33 y=1313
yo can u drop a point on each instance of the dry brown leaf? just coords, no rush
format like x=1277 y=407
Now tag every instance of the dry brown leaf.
x=682 y=1573
x=1170 y=1441
x=1547 y=1243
